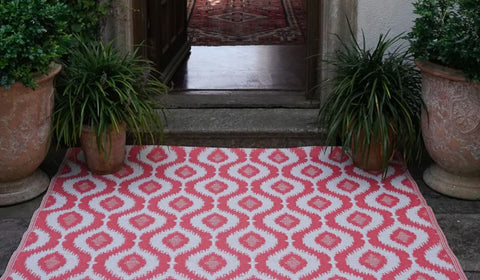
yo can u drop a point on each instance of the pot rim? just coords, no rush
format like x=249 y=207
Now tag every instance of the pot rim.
x=441 y=71
x=39 y=78
x=121 y=126
x=53 y=69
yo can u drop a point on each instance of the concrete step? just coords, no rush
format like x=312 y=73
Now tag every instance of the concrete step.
x=247 y=127
x=237 y=99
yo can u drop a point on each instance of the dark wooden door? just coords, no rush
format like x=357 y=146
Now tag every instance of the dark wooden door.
x=161 y=27
x=313 y=42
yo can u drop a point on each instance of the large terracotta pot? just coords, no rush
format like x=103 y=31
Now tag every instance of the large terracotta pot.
x=25 y=125
x=451 y=131
x=111 y=158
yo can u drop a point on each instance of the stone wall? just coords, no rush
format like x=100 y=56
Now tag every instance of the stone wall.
x=379 y=16
x=118 y=24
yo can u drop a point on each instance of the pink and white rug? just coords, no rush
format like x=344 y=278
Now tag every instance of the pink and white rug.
x=209 y=213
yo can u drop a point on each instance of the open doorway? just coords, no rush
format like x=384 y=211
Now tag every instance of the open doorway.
x=162 y=27
x=245 y=45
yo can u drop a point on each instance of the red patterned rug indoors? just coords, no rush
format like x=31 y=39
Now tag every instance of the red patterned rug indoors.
x=246 y=22
x=208 y=213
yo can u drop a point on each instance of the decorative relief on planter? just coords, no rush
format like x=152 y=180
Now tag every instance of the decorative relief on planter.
x=466 y=113
x=451 y=131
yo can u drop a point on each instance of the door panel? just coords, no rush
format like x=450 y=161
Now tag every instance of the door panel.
x=162 y=27
x=313 y=48
x=139 y=19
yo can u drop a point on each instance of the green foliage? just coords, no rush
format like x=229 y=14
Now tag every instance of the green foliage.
x=375 y=93
x=100 y=87
x=32 y=34
x=447 y=32
x=84 y=17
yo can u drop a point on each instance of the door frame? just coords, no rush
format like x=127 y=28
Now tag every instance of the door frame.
x=324 y=19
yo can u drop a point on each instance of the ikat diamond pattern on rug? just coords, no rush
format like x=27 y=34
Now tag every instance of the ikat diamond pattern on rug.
x=217 y=213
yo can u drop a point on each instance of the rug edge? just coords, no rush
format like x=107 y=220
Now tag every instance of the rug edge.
x=433 y=220
x=33 y=220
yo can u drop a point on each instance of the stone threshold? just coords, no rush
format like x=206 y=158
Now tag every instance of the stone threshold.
x=241 y=127
x=207 y=98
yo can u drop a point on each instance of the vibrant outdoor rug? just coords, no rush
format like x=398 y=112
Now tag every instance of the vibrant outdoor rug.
x=246 y=22
x=208 y=213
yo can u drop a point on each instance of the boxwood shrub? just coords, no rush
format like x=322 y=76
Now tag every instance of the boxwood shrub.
x=447 y=32
x=32 y=35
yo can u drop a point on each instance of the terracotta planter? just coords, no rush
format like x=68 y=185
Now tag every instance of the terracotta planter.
x=109 y=160
x=451 y=131
x=373 y=160
x=25 y=125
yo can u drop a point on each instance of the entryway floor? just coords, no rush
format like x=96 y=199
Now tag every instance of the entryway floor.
x=261 y=67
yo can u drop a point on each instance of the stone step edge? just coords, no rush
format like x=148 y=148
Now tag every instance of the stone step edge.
x=237 y=99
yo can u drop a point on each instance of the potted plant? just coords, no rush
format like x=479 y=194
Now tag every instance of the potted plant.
x=32 y=36
x=445 y=41
x=374 y=107
x=101 y=93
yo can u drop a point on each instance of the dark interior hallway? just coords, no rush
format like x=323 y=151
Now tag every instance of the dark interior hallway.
x=272 y=67
x=244 y=45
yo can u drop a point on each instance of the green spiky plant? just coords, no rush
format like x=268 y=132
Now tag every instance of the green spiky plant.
x=102 y=87
x=375 y=98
